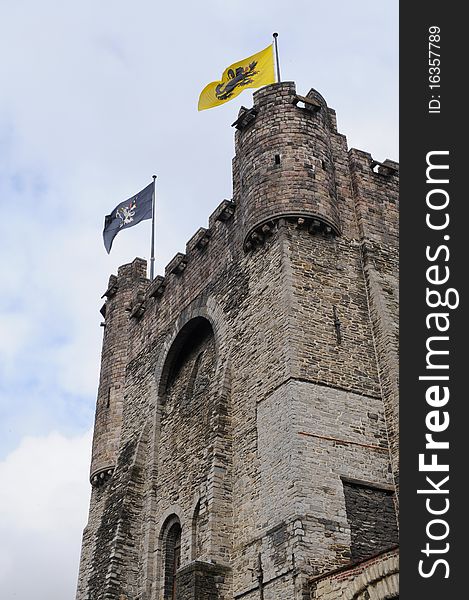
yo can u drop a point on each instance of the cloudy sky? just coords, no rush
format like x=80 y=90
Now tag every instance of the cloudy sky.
x=96 y=96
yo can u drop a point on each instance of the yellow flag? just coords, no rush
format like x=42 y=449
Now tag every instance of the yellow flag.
x=253 y=72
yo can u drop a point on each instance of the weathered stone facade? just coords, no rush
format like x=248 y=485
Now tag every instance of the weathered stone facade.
x=246 y=426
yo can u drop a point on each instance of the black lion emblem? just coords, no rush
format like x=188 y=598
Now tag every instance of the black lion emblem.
x=243 y=76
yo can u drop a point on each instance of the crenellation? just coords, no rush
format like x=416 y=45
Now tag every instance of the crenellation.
x=246 y=421
x=245 y=117
x=111 y=287
x=199 y=240
x=137 y=304
x=176 y=265
x=386 y=168
x=224 y=212
x=157 y=287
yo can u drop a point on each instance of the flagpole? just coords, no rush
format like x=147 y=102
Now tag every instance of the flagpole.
x=276 y=57
x=152 y=254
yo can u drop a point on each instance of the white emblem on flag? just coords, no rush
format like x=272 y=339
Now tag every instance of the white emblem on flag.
x=126 y=213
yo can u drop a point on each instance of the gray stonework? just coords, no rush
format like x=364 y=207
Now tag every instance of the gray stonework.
x=244 y=391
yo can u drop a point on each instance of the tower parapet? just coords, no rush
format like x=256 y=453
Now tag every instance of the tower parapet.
x=283 y=165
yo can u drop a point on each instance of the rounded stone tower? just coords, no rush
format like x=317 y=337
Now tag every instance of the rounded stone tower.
x=108 y=419
x=283 y=165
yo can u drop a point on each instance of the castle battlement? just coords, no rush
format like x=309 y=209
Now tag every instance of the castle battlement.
x=246 y=427
x=363 y=163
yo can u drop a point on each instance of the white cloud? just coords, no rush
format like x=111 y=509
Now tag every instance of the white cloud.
x=15 y=334
x=43 y=509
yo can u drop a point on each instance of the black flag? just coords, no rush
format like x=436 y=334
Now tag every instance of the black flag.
x=127 y=214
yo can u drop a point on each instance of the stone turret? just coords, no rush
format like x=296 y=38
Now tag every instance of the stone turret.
x=284 y=165
x=108 y=419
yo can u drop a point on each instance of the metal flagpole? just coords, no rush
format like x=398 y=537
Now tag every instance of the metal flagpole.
x=152 y=253
x=276 y=57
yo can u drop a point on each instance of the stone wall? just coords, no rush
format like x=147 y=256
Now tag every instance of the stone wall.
x=376 y=195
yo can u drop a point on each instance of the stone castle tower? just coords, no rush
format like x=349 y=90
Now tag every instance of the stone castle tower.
x=245 y=442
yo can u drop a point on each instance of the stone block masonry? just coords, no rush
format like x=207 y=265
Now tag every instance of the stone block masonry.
x=246 y=436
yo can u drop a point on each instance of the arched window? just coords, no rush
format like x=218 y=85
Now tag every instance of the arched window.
x=172 y=557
